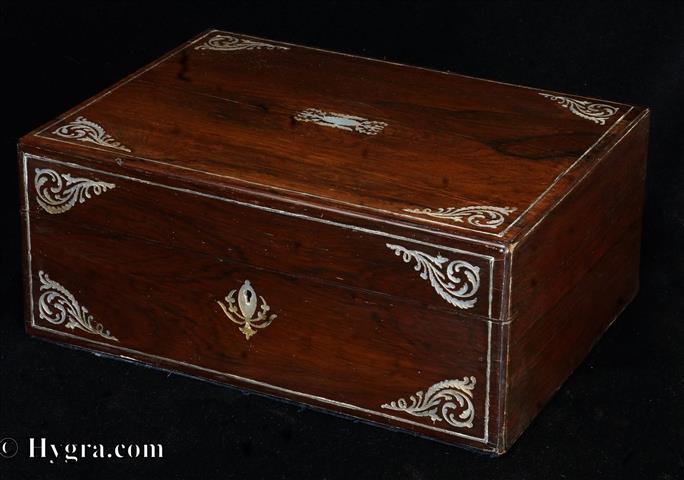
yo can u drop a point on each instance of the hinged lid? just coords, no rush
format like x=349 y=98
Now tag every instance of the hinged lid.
x=422 y=148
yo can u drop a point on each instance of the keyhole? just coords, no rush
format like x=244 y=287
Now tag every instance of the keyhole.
x=247 y=300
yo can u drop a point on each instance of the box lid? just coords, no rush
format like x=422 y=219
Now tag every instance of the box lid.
x=424 y=149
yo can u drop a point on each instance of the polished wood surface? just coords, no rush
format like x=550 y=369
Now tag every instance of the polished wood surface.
x=271 y=239
x=216 y=182
x=228 y=118
x=572 y=276
x=327 y=344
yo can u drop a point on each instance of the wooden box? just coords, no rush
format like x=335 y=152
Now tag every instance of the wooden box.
x=421 y=250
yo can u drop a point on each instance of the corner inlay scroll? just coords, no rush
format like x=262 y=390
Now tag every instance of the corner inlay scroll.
x=58 y=192
x=340 y=120
x=57 y=305
x=456 y=281
x=596 y=112
x=247 y=301
x=84 y=130
x=450 y=401
x=478 y=216
x=229 y=43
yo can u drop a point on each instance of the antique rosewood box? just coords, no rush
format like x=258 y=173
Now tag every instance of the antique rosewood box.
x=422 y=250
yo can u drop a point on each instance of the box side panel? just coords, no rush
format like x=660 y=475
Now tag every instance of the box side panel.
x=25 y=227
x=571 y=276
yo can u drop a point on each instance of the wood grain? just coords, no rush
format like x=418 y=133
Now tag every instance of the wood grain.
x=227 y=118
x=341 y=344
x=271 y=239
x=572 y=276
x=217 y=182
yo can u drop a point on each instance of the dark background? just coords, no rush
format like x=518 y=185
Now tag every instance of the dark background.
x=619 y=416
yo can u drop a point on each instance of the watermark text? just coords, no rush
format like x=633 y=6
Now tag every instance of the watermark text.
x=40 y=448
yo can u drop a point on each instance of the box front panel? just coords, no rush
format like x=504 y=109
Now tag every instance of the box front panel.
x=171 y=299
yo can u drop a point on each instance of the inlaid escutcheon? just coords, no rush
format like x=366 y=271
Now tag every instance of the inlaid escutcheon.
x=242 y=310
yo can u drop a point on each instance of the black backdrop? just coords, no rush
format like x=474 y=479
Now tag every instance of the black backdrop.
x=618 y=416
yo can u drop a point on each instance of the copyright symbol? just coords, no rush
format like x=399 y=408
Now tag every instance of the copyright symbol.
x=8 y=447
